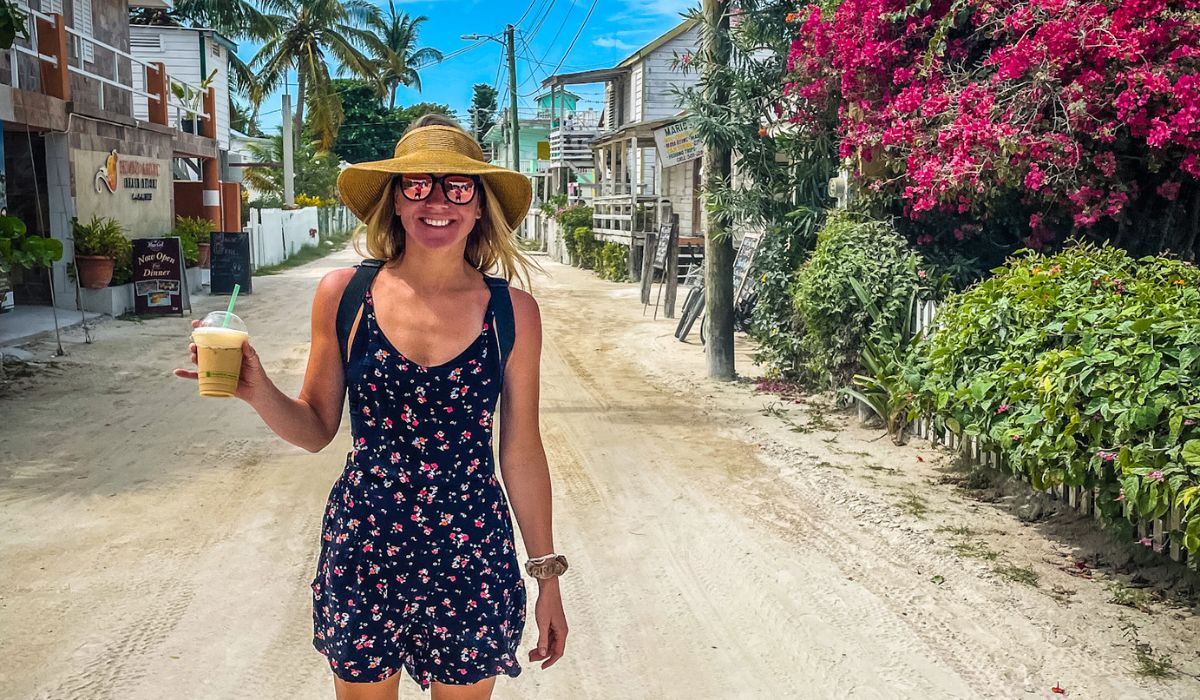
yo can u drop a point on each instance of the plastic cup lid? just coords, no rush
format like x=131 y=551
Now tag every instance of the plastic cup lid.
x=216 y=319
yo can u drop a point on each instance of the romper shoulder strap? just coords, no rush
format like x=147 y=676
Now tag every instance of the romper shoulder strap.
x=351 y=302
x=503 y=313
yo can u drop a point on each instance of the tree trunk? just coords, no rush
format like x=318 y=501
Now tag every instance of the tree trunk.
x=718 y=246
x=392 y=102
x=298 y=125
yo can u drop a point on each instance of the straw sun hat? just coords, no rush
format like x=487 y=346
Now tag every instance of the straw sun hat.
x=434 y=149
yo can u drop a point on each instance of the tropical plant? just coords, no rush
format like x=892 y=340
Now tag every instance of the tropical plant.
x=12 y=23
x=314 y=38
x=883 y=387
x=192 y=231
x=850 y=248
x=583 y=247
x=315 y=171
x=18 y=249
x=1079 y=367
x=395 y=51
x=102 y=236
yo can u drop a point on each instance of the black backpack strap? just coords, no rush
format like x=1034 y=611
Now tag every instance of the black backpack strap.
x=502 y=313
x=352 y=300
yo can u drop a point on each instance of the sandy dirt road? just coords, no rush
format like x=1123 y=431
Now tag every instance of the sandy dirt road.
x=723 y=544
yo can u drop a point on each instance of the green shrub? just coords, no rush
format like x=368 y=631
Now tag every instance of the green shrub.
x=192 y=230
x=585 y=247
x=553 y=204
x=1080 y=368
x=612 y=262
x=572 y=218
x=835 y=320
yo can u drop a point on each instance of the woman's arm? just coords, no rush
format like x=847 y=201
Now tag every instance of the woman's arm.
x=311 y=420
x=526 y=474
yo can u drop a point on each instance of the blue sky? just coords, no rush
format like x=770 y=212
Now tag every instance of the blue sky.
x=615 y=29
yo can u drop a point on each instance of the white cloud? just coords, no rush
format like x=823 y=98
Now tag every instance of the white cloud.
x=611 y=42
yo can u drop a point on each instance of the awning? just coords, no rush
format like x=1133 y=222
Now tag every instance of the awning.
x=602 y=75
x=643 y=131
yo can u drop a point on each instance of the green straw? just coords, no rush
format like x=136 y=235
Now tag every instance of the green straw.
x=229 y=312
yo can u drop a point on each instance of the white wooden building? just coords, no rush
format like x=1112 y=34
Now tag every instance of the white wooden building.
x=639 y=99
x=190 y=55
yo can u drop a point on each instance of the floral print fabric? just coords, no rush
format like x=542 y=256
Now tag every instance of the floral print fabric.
x=417 y=567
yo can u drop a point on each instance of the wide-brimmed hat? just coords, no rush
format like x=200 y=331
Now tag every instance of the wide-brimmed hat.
x=434 y=149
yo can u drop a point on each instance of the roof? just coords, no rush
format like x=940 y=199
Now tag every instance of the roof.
x=642 y=130
x=604 y=75
x=657 y=43
x=564 y=93
x=218 y=37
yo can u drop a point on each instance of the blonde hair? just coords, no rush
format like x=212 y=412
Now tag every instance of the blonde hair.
x=491 y=245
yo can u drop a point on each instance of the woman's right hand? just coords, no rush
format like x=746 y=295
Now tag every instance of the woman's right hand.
x=252 y=380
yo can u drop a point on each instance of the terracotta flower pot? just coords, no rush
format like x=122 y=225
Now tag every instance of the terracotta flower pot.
x=95 y=271
x=205 y=254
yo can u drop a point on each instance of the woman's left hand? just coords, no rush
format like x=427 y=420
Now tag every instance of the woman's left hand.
x=551 y=622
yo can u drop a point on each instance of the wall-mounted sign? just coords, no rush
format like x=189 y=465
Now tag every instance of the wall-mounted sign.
x=159 y=281
x=138 y=176
x=678 y=143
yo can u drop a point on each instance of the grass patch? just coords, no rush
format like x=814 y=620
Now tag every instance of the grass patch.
x=1017 y=574
x=1148 y=664
x=958 y=531
x=974 y=550
x=529 y=245
x=1129 y=597
x=914 y=505
x=307 y=254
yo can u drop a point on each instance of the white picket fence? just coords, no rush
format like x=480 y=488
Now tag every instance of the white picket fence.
x=1165 y=533
x=277 y=234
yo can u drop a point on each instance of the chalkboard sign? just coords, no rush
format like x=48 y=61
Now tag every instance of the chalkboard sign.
x=158 y=276
x=663 y=246
x=742 y=264
x=230 y=262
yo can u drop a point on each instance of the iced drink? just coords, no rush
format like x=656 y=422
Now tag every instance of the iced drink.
x=219 y=353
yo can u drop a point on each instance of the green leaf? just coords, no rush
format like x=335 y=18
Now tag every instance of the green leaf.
x=1191 y=453
x=954 y=426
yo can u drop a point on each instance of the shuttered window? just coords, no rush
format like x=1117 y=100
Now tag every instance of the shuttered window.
x=83 y=24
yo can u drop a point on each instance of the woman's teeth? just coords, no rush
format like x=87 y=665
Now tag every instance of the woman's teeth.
x=436 y=222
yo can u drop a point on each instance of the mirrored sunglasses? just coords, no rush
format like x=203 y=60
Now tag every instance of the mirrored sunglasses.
x=459 y=189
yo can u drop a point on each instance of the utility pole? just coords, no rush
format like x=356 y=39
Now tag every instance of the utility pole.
x=509 y=35
x=718 y=244
x=289 y=193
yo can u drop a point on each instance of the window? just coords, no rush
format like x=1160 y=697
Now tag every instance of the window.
x=83 y=24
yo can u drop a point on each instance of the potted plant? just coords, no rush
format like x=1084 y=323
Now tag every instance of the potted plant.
x=194 y=233
x=98 y=245
x=193 y=101
x=19 y=250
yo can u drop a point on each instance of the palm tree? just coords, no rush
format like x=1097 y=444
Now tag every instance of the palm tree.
x=308 y=34
x=395 y=52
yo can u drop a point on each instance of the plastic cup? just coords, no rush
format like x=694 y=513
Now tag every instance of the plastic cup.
x=219 y=339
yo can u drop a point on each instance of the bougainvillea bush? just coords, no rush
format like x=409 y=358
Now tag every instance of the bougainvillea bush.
x=993 y=123
x=1081 y=368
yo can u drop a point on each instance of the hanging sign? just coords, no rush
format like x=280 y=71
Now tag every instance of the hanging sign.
x=158 y=276
x=678 y=143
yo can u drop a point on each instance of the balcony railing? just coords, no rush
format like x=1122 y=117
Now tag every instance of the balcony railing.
x=572 y=147
x=47 y=44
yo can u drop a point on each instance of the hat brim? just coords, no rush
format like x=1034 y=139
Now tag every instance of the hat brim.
x=362 y=184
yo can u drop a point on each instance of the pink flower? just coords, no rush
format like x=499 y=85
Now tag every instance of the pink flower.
x=1121 y=496
x=1155 y=475
x=1003 y=408
x=1146 y=542
x=1106 y=456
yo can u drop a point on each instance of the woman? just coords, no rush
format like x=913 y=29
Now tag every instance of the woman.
x=418 y=569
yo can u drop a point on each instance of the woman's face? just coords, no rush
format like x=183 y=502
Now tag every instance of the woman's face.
x=436 y=221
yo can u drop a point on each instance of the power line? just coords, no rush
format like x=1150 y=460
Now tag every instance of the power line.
x=572 y=44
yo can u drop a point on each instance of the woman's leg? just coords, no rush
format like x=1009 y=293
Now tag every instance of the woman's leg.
x=383 y=690
x=475 y=691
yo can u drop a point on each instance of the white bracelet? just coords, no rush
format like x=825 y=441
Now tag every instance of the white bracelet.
x=541 y=559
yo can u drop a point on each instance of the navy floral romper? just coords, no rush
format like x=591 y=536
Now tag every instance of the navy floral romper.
x=417 y=566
